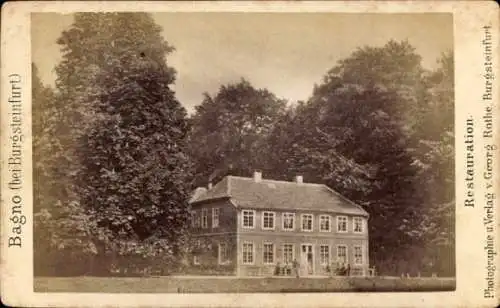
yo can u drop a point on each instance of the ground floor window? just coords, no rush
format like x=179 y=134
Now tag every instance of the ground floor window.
x=223 y=253
x=196 y=260
x=342 y=253
x=268 y=253
x=288 y=253
x=358 y=255
x=324 y=254
x=247 y=253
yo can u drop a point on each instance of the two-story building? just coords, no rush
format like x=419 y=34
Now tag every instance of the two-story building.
x=245 y=226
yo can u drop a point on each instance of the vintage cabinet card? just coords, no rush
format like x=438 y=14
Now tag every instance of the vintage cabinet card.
x=242 y=154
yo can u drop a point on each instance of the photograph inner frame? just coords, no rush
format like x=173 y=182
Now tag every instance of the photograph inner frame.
x=243 y=152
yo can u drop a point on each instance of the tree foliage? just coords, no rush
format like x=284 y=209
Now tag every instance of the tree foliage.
x=122 y=175
x=135 y=174
x=303 y=142
x=61 y=226
x=229 y=129
x=436 y=159
x=379 y=103
x=359 y=121
x=45 y=143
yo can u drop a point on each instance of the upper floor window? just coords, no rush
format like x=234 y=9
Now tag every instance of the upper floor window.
x=324 y=223
x=341 y=223
x=247 y=253
x=215 y=217
x=268 y=220
x=248 y=217
x=358 y=255
x=358 y=224
x=342 y=253
x=195 y=216
x=307 y=222
x=268 y=253
x=204 y=218
x=288 y=221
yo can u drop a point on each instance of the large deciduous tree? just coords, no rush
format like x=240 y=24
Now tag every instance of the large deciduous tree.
x=45 y=143
x=372 y=104
x=436 y=157
x=62 y=229
x=369 y=130
x=302 y=144
x=229 y=130
x=121 y=135
x=135 y=175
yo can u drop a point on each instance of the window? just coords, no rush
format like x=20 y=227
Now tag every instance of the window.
x=342 y=253
x=196 y=260
x=324 y=223
x=358 y=225
x=358 y=255
x=248 y=219
x=307 y=222
x=223 y=253
x=247 y=253
x=288 y=221
x=215 y=217
x=288 y=253
x=324 y=254
x=268 y=255
x=193 y=219
x=204 y=218
x=268 y=220
x=341 y=223
x=195 y=216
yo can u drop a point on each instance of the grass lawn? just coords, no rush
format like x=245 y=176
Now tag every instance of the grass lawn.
x=239 y=285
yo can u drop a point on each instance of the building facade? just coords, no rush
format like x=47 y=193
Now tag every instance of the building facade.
x=252 y=226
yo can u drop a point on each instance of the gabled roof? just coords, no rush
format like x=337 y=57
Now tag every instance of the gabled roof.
x=270 y=194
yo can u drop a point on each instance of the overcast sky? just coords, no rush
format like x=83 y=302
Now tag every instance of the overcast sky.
x=285 y=52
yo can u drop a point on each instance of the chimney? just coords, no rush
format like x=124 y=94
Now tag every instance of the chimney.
x=257 y=176
x=298 y=179
x=209 y=185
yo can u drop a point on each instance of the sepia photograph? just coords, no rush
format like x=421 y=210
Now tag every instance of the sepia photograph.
x=243 y=152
